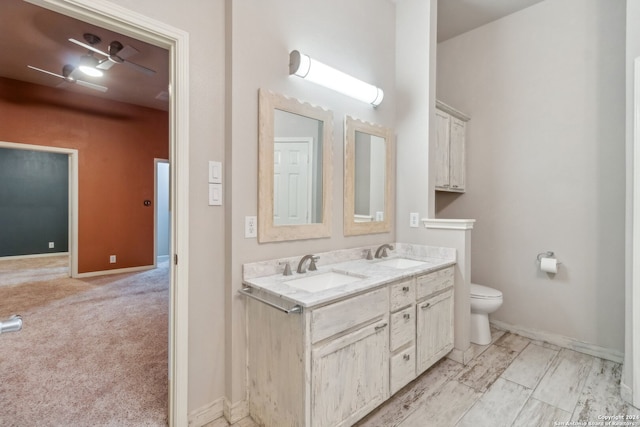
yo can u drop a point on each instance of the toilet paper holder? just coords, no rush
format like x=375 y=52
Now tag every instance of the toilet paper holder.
x=548 y=254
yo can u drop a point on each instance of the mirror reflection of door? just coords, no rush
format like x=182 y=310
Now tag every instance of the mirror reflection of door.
x=369 y=188
x=292 y=180
x=297 y=185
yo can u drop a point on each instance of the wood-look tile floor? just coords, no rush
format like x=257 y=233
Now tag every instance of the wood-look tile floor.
x=514 y=381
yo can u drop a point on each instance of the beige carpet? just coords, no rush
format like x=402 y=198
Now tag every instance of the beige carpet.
x=92 y=352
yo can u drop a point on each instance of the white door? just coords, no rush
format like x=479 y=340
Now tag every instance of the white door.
x=292 y=181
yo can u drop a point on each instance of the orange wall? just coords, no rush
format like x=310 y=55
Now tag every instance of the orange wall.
x=116 y=144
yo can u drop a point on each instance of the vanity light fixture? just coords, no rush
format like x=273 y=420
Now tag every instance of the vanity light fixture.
x=88 y=64
x=303 y=66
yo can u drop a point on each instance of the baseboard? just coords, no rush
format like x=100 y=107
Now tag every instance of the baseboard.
x=562 y=341
x=236 y=411
x=115 y=271
x=207 y=414
x=48 y=254
x=626 y=393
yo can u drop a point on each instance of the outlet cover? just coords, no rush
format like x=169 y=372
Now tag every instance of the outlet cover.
x=414 y=219
x=250 y=227
x=112 y=259
x=52 y=245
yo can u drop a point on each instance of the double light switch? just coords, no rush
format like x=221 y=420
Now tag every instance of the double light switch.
x=215 y=183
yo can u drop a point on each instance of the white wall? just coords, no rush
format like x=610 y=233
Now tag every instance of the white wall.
x=546 y=144
x=631 y=333
x=357 y=37
x=204 y=21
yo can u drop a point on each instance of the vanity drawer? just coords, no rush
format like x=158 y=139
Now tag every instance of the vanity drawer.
x=403 y=327
x=434 y=282
x=340 y=316
x=403 y=369
x=403 y=294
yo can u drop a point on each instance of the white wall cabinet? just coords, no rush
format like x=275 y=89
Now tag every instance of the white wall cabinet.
x=450 y=149
x=332 y=365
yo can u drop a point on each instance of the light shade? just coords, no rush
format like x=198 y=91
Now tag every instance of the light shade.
x=303 y=66
x=88 y=65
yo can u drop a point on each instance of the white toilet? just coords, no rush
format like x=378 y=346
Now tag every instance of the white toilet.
x=484 y=300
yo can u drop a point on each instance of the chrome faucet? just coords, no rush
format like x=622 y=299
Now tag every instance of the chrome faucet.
x=312 y=263
x=381 y=252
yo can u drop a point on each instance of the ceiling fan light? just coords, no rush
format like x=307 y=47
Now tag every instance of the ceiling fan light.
x=88 y=66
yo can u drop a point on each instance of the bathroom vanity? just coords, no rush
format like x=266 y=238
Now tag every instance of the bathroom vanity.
x=326 y=347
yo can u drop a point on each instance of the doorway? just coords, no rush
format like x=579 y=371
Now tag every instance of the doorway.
x=72 y=235
x=162 y=213
x=122 y=20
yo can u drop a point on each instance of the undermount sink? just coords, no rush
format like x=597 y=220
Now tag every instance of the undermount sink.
x=401 y=263
x=323 y=281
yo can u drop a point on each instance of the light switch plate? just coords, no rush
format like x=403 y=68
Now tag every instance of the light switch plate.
x=414 y=219
x=215 y=172
x=215 y=194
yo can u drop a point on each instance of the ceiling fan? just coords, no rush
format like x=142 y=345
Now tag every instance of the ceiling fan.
x=67 y=70
x=117 y=53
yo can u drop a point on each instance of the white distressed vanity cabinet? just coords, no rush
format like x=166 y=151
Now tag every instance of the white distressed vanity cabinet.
x=434 y=317
x=450 y=149
x=331 y=365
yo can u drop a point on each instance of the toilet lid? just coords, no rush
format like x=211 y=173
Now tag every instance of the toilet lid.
x=484 y=292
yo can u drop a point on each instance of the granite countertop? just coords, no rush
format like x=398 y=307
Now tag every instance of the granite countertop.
x=366 y=274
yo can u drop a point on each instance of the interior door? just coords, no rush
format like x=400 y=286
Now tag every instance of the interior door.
x=292 y=180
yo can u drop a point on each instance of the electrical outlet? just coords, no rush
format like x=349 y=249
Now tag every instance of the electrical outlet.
x=414 y=219
x=112 y=259
x=250 y=227
x=52 y=245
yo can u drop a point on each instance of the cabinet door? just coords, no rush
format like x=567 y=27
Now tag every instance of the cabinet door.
x=350 y=376
x=434 y=329
x=442 y=149
x=457 y=154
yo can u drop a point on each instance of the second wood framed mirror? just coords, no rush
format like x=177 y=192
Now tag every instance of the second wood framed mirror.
x=369 y=177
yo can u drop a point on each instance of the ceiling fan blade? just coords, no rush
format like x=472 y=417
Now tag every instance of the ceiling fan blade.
x=90 y=85
x=87 y=46
x=105 y=64
x=127 y=52
x=140 y=68
x=45 y=71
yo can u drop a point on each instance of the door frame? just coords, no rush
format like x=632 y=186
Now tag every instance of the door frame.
x=632 y=356
x=73 y=195
x=124 y=21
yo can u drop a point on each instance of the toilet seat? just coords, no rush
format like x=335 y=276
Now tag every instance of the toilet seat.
x=484 y=292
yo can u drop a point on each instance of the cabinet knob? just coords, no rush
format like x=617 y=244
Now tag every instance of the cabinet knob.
x=427 y=305
x=407 y=316
x=405 y=289
x=454 y=186
x=384 y=325
x=406 y=357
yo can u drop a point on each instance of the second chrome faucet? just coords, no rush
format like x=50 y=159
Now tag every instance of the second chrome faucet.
x=381 y=252
x=312 y=263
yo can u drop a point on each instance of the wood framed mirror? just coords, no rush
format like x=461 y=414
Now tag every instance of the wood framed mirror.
x=369 y=177
x=294 y=169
